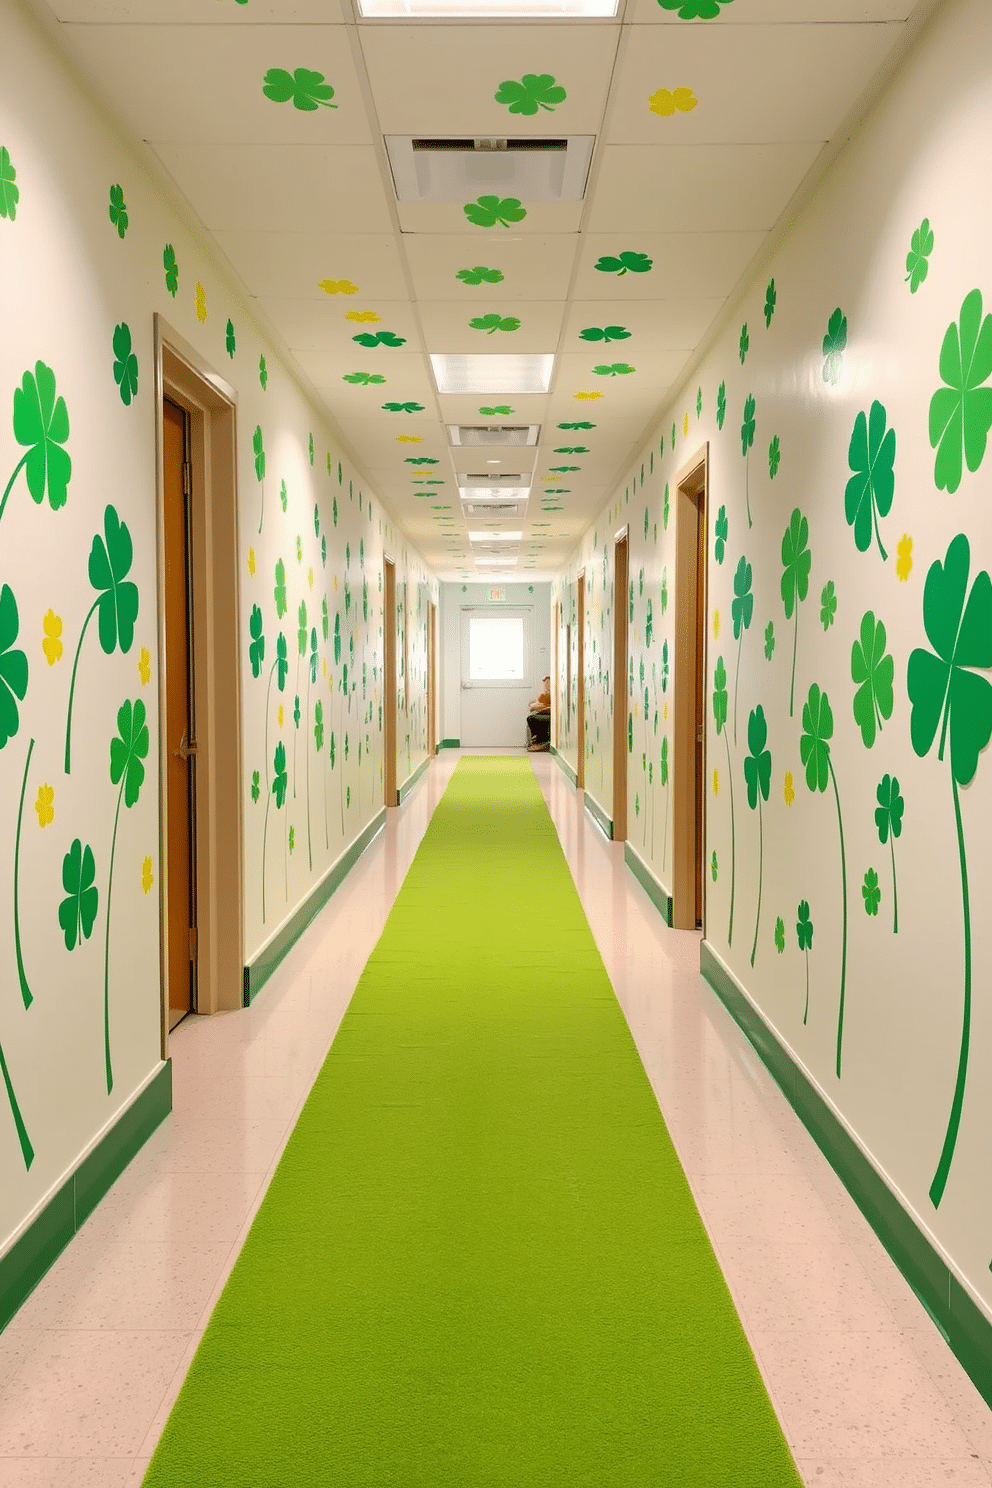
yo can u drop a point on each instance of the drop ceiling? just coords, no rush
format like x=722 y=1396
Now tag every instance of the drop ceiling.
x=704 y=131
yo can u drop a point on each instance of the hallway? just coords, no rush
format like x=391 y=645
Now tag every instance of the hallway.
x=866 y=1390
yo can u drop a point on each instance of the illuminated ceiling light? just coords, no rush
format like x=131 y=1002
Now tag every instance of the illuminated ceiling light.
x=495 y=536
x=491 y=10
x=495 y=375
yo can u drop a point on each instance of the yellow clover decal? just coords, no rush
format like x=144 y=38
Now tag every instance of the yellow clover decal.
x=145 y=666
x=337 y=286
x=788 y=791
x=52 y=642
x=45 y=805
x=147 y=877
x=201 y=302
x=904 y=562
x=667 y=103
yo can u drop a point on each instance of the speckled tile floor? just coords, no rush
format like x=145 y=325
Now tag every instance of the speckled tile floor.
x=867 y=1392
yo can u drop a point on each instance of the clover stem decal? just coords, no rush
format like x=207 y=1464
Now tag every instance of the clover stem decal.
x=843 y=889
x=72 y=688
x=26 y=996
x=758 y=775
x=128 y=749
x=957 y=1104
x=720 y=716
x=814 y=751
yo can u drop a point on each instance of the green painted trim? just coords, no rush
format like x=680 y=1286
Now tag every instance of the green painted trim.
x=959 y=1319
x=659 y=896
x=449 y=744
x=411 y=781
x=599 y=815
x=258 y=972
x=563 y=762
x=27 y=1260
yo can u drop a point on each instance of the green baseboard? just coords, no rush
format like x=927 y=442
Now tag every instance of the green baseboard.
x=563 y=762
x=258 y=972
x=411 y=781
x=449 y=744
x=959 y=1319
x=599 y=816
x=659 y=896
x=27 y=1260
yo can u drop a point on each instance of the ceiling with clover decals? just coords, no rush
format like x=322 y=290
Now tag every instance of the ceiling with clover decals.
x=271 y=119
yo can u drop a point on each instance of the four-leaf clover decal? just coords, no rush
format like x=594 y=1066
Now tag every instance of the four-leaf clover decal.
x=41 y=422
x=125 y=364
x=873 y=673
x=306 y=90
x=77 y=912
x=961 y=412
x=870 y=490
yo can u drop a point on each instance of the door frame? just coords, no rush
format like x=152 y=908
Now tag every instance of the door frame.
x=182 y=375
x=431 y=678
x=580 y=669
x=691 y=484
x=389 y=702
x=621 y=544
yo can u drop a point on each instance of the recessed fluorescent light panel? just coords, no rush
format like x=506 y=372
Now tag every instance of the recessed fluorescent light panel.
x=489 y=537
x=493 y=10
x=508 y=494
x=508 y=375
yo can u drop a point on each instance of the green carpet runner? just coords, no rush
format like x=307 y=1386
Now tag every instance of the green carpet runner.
x=479 y=1264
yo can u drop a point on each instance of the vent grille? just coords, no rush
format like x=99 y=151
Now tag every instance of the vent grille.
x=488 y=435
x=501 y=478
x=498 y=511
x=456 y=169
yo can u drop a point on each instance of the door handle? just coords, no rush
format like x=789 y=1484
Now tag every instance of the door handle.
x=185 y=751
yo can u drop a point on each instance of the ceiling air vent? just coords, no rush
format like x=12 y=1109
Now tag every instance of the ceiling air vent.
x=503 y=478
x=488 y=435
x=456 y=170
x=495 y=511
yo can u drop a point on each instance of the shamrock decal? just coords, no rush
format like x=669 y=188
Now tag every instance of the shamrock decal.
x=871 y=893
x=758 y=775
x=771 y=300
x=780 y=935
x=256 y=649
x=918 y=257
x=796 y=563
x=230 y=340
x=171 y=269
x=580 y=425
x=534 y=92
x=695 y=10
x=128 y=751
x=870 y=490
x=10 y=194
x=744 y=344
x=720 y=710
x=306 y=90
x=834 y=346
x=961 y=412
x=500 y=410
x=804 y=935
x=379 y=338
x=828 y=604
x=769 y=640
x=666 y=102
x=118 y=212
x=888 y=821
x=125 y=364
x=748 y=426
x=487 y=211
x=721 y=405
x=41 y=422
x=614 y=369
x=13 y=667
x=774 y=457
x=77 y=912
x=256 y=789
x=873 y=672
x=742 y=611
x=479 y=275
x=814 y=751
x=623 y=263
x=362 y=379
x=337 y=286
x=605 y=333
x=403 y=407
x=116 y=604
x=491 y=323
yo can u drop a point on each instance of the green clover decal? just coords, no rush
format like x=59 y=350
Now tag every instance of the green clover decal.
x=774 y=457
x=780 y=935
x=828 y=604
x=873 y=673
x=623 y=263
x=744 y=344
x=403 y=407
x=171 y=269
x=263 y=373
x=256 y=789
x=888 y=821
x=534 y=92
x=714 y=866
x=769 y=640
x=116 y=604
x=41 y=421
x=379 y=338
x=870 y=490
x=947 y=692
x=748 y=427
x=491 y=323
x=758 y=775
x=722 y=530
x=666 y=507
x=605 y=333
x=814 y=751
x=918 y=257
x=742 y=612
x=961 y=412
x=695 y=10
x=834 y=346
x=279 y=591
x=363 y=379
x=27 y=1151
x=118 y=210
x=125 y=364
x=128 y=750
x=479 y=275
x=771 y=300
x=804 y=935
x=487 y=211
x=871 y=893
x=721 y=405
x=230 y=340
x=10 y=194
x=499 y=410
x=581 y=424
x=306 y=90
x=796 y=563
x=613 y=369
x=77 y=912
x=720 y=711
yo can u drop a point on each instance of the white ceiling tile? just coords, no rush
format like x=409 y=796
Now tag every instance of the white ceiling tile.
x=455 y=72
x=533 y=268
x=695 y=264
x=304 y=186
x=195 y=13
x=223 y=69
x=751 y=84
x=279 y=265
x=740 y=13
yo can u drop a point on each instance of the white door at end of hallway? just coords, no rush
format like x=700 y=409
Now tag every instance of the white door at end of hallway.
x=497 y=661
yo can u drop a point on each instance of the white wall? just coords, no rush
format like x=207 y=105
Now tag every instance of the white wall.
x=508 y=715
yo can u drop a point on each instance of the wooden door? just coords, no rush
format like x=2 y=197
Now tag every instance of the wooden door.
x=389 y=679
x=180 y=760
x=621 y=700
x=431 y=679
x=700 y=703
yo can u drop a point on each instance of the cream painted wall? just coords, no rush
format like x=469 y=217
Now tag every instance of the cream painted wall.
x=816 y=384
x=69 y=279
x=508 y=717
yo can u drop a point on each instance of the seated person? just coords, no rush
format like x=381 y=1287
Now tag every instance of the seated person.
x=539 y=719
